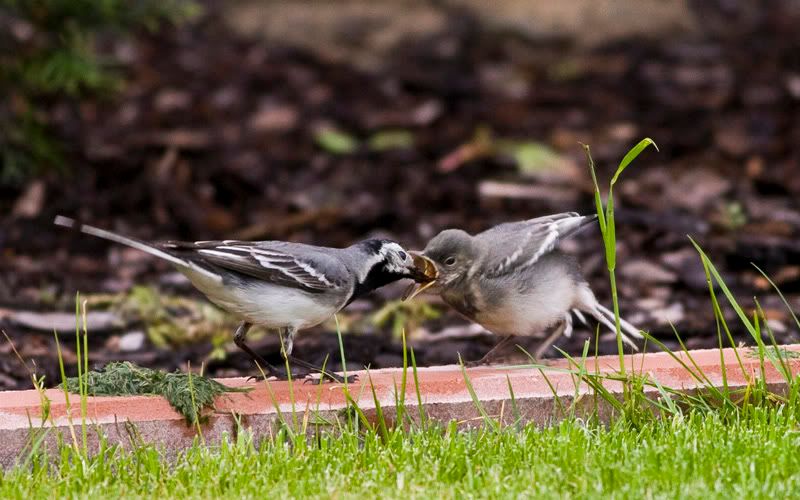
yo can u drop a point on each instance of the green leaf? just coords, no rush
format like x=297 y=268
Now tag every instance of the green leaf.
x=535 y=157
x=632 y=154
x=335 y=141
x=120 y=378
x=391 y=139
x=598 y=201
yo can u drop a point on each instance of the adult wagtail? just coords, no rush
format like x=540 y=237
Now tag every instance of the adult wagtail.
x=279 y=285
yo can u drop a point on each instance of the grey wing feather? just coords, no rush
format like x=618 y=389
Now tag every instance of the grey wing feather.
x=287 y=264
x=514 y=246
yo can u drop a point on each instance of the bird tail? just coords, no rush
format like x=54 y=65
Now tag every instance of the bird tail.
x=60 y=220
x=606 y=317
x=589 y=304
x=569 y=222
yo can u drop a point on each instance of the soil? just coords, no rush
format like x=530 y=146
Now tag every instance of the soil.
x=218 y=137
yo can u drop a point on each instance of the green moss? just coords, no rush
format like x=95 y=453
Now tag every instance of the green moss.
x=126 y=379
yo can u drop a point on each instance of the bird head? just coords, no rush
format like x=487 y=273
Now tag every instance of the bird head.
x=381 y=262
x=452 y=253
x=391 y=259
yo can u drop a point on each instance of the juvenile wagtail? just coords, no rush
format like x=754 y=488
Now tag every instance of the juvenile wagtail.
x=512 y=280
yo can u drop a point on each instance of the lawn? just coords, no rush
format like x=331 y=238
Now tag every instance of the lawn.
x=754 y=455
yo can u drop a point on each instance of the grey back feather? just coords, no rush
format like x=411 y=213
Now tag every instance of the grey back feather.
x=295 y=265
x=515 y=246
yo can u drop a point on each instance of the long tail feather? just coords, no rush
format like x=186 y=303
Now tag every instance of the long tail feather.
x=577 y=312
x=626 y=327
x=60 y=220
x=601 y=314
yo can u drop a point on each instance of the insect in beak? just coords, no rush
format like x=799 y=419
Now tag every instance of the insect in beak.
x=426 y=277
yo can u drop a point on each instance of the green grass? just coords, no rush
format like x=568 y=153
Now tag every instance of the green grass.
x=699 y=456
x=605 y=218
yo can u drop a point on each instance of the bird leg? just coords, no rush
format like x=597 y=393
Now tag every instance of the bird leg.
x=287 y=343
x=493 y=352
x=565 y=328
x=269 y=369
x=286 y=349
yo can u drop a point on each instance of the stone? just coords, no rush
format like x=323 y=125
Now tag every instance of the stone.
x=132 y=341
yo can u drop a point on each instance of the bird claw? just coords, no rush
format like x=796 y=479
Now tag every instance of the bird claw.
x=278 y=376
x=306 y=377
x=330 y=377
x=476 y=363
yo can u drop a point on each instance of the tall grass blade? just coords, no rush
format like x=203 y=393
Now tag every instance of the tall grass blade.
x=780 y=294
x=631 y=155
x=475 y=400
x=514 y=408
x=84 y=386
x=755 y=332
x=382 y=428
x=784 y=369
x=608 y=229
x=66 y=391
x=196 y=415
x=401 y=403
x=418 y=391
x=341 y=348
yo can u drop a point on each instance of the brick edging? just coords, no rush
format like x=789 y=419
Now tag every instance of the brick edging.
x=444 y=394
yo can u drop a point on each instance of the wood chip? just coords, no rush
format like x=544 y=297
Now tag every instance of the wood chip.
x=515 y=191
x=62 y=322
x=30 y=203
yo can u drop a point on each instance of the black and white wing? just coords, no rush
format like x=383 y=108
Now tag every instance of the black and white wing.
x=515 y=246
x=294 y=265
x=305 y=267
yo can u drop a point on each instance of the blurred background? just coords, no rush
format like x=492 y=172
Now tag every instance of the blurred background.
x=330 y=121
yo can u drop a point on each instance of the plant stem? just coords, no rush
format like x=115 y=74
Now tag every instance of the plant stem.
x=613 y=277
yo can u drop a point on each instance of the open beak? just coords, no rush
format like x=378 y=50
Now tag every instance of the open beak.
x=425 y=275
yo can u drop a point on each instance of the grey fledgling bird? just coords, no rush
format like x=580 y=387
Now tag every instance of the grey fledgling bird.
x=279 y=285
x=512 y=280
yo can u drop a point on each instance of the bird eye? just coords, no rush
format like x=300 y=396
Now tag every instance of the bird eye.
x=450 y=261
x=403 y=255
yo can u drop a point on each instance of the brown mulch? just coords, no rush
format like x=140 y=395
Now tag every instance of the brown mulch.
x=218 y=137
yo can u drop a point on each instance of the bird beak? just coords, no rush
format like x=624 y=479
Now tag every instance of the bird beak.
x=424 y=268
x=425 y=274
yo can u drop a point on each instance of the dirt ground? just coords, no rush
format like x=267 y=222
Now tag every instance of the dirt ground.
x=216 y=136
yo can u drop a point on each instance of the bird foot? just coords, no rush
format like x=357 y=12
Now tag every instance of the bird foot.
x=277 y=375
x=479 y=362
x=329 y=377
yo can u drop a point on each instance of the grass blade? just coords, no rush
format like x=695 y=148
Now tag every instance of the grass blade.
x=631 y=155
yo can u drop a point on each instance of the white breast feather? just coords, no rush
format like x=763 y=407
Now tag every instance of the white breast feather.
x=265 y=304
x=533 y=312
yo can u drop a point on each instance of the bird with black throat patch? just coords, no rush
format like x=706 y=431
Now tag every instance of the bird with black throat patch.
x=277 y=284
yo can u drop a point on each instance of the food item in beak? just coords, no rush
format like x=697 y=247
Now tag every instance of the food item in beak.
x=425 y=267
x=426 y=279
